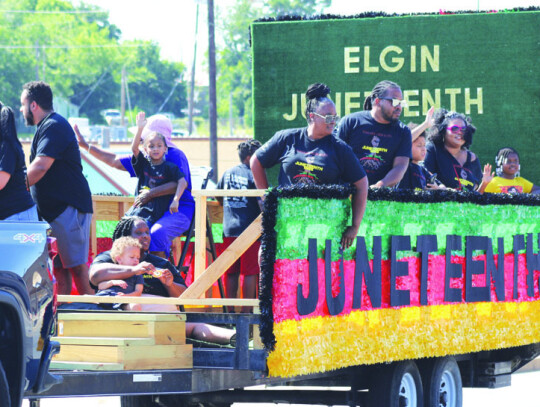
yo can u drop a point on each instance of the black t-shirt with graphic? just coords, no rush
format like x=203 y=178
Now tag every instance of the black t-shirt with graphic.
x=238 y=211
x=375 y=144
x=152 y=285
x=324 y=161
x=449 y=171
x=64 y=182
x=416 y=177
x=151 y=176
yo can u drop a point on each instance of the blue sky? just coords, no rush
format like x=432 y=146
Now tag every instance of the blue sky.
x=171 y=23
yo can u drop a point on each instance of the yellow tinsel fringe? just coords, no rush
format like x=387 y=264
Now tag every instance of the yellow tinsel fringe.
x=320 y=344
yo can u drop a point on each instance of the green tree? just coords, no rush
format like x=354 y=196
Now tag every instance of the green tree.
x=80 y=55
x=233 y=59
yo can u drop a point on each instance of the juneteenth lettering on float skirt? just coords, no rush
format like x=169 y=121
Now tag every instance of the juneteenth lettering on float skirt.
x=426 y=244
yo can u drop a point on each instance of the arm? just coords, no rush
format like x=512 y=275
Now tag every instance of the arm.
x=110 y=271
x=147 y=195
x=137 y=293
x=141 y=122
x=108 y=284
x=173 y=289
x=425 y=125
x=487 y=176
x=182 y=185
x=358 y=209
x=38 y=168
x=102 y=155
x=4 y=179
x=259 y=174
x=395 y=174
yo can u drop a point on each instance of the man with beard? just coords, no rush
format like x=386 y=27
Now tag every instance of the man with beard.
x=58 y=185
x=380 y=141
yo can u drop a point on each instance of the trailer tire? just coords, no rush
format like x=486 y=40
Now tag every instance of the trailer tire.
x=137 y=401
x=396 y=385
x=5 y=399
x=442 y=383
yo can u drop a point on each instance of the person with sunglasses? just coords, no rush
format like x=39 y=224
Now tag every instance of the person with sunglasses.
x=448 y=153
x=379 y=139
x=311 y=155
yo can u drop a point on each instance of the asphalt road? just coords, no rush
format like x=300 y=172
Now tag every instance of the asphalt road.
x=524 y=392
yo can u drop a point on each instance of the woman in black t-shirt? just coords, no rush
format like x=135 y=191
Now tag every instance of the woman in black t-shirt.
x=312 y=155
x=448 y=153
x=16 y=203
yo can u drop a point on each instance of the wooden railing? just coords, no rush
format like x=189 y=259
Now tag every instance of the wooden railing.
x=205 y=277
x=114 y=207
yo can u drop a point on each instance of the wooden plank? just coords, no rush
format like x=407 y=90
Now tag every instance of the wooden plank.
x=97 y=341
x=132 y=358
x=83 y=353
x=118 y=316
x=158 y=357
x=200 y=237
x=223 y=262
x=94 y=299
x=163 y=333
x=67 y=365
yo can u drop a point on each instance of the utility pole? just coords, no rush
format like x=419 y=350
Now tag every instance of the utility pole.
x=191 y=100
x=123 y=96
x=212 y=108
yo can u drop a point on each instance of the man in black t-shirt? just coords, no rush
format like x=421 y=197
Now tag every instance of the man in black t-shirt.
x=58 y=185
x=380 y=141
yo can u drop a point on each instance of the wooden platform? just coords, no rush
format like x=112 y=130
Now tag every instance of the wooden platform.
x=122 y=341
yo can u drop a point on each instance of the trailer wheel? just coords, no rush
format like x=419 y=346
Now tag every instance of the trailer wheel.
x=442 y=383
x=5 y=399
x=137 y=401
x=397 y=385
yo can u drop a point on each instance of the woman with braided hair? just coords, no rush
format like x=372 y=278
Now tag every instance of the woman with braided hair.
x=160 y=277
x=16 y=203
x=507 y=170
x=311 y=155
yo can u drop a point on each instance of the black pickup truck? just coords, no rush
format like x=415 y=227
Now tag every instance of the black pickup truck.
x=27 y=311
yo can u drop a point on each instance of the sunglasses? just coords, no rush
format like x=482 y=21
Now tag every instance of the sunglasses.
x=329 y=118
x=457 y=129
x=396 y=102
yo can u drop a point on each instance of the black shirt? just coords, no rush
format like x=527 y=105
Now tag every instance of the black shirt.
x=14 y=197
x=238 y=211
x=150 y=176
x=152 y=285
x=416 y=177
x=375 y=144
x=64 y=183
x=449 y=171
x=324 y=161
